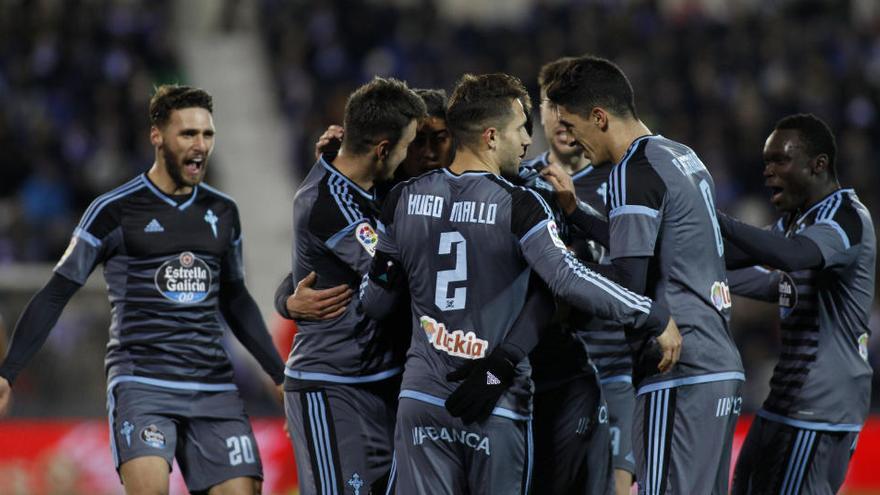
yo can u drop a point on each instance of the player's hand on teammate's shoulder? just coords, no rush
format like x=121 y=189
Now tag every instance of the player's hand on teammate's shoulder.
x=564 y=186
x=307 y=303
x=670 y=345
x=329 y=142
x=5 y=396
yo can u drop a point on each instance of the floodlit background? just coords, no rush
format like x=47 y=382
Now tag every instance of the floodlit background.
x=76 y=77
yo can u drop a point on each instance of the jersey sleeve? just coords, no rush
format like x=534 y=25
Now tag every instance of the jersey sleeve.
x=232 y=268
x=533 y=225
x=755 y=282
x=635 y=209
x=380 y=289
x=94 y=239
x=345 y=231
x=837 y=235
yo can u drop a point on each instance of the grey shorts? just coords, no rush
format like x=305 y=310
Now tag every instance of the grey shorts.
x=683 y=436
x=621 y=399
x=437 y=454
x=572 y=439
x=208 y=432
x=778 y=459
x=342 y=436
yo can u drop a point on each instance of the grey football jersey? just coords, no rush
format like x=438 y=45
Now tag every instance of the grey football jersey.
x=334 y=235
x=662 y=205
x=605 y=339
x=823 y=377
x=164 y=258
x=466 y=243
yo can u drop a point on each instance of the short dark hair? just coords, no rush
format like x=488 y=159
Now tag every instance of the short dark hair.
x=815 y=135
x=435 y=101
x=586 y=82
x=170 y=97
x=379 y=110
x=551 y=70
x=478 y=102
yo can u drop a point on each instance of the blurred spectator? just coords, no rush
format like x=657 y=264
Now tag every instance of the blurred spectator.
x=74 y=81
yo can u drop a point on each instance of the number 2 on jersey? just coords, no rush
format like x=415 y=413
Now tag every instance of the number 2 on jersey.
x=457 y=274
x=710 y=205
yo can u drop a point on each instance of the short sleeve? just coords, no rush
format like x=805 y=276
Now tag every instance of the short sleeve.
x=838 y=237
x=338 y=222
x=636 y=194
x=95 y=237
x=529 y=213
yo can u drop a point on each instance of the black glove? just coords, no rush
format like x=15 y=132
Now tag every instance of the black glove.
x=484 y=381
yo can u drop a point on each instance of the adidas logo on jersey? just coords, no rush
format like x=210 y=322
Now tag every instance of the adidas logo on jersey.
x=492 y=379
x=154 y=226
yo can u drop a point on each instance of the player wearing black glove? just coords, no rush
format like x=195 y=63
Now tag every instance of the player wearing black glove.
x=486 y=379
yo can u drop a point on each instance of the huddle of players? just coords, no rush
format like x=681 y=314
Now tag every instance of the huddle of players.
x=465 y=256
x=465 y=264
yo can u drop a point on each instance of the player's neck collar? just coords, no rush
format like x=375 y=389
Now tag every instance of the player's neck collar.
x=634 y=145
x=464 y=173
x=822 y=201
x=168 y=199
x=371 y=194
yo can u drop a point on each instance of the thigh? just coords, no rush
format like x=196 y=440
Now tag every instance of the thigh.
x=145 y=475
x=620 y=398
x=572 y=439
x=427 y=459
x=685 y=438
x=825 y=462
x=217 y=443
x=342 y=437
x=141 y=423
x=436 y=453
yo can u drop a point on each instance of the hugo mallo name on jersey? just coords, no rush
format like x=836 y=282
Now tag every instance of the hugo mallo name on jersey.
x=462 y=211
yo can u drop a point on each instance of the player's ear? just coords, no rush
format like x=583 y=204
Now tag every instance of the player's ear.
x=155 y=136
x=819 y=165
x=490 y=137
x=382 y=149
x=599 y=118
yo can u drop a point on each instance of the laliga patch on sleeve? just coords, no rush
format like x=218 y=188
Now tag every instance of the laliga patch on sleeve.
x=67 y=252
x=554 y=235
x=367 y=237
x=788 y=295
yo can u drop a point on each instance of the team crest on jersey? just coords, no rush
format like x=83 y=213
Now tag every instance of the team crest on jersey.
x=720 y=296
x=457 y=343
x=184 y=279
x=153 y=436
x=367 y=237
x=554 y=234
x=863 y=346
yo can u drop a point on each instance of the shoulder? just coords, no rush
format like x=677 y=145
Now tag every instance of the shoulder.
x=214 y=195
x=846 y=213
x=105 y=209
x=635 y=180
x=220 y=202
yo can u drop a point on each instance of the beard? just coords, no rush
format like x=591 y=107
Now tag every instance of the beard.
x=174 y=166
